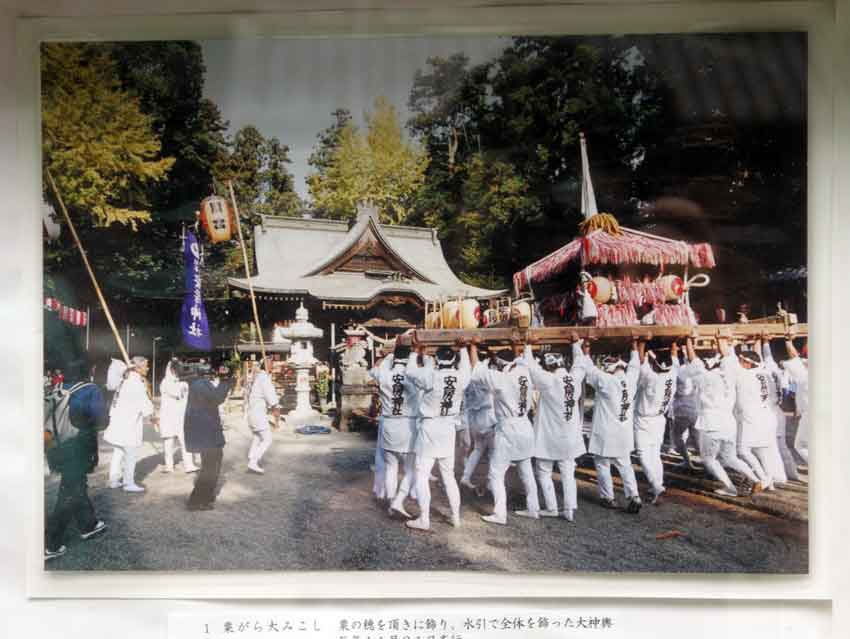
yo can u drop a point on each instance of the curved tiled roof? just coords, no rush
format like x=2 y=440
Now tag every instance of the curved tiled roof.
x=292 y=252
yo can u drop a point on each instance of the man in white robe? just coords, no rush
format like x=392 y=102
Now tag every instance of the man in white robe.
x=262 y=396
x=442 y=391
x=798 y=369
x=131 y=404
x=612 y=434
x=172 y=410
x=781 y=461
x=714 y=385
x=479 y=419
x=557 y=425
x=656 y=388
x=513 y=441
x=399 y=412
x=756 y=420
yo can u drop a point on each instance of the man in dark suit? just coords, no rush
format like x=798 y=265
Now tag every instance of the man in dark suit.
x=203 y=432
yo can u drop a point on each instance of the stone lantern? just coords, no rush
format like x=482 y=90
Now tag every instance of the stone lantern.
x=302 y=333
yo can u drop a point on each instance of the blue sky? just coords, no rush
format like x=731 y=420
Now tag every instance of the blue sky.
x=288 y=88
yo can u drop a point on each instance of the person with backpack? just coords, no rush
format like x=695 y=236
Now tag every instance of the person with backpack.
x=75 y=414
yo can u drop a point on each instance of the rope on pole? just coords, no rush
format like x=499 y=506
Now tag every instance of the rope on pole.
x=89 y=269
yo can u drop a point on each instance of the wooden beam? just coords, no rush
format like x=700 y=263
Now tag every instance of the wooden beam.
x=562 y=334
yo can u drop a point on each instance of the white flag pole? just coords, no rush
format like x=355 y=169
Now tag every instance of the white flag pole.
x=588 y=197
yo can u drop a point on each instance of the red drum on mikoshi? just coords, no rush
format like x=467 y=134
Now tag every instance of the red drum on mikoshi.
x=217 y=218
x=601 y=289
x=673 y=286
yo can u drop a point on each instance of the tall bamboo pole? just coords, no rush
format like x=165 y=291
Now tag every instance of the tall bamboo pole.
x=89 y=269
x=247 y=270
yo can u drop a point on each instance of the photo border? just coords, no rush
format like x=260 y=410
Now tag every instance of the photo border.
x=815 y=18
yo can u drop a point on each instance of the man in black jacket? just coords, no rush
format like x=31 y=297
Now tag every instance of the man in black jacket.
x=203 y=433
x=87 y=410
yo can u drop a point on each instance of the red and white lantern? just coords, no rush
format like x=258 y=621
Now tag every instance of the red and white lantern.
x=217 y=218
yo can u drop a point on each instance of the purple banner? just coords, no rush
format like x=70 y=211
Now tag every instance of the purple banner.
x=193 y=317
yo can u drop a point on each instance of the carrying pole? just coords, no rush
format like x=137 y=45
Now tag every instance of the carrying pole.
x=247 y=270
x=89 y=269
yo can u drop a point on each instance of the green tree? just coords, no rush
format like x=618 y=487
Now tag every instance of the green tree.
x=381 y=167
x=96 y=141
x=257 y=166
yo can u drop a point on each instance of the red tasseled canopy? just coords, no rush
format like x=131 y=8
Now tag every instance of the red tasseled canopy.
x=630 y=247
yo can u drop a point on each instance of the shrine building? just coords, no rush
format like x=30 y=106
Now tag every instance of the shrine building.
x=370 y=274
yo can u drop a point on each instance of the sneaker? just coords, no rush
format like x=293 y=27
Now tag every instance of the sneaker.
x=634 y=506
x=53 y=554
x=191 y=469
x=494 y=519
x=99 y=527
x=726 y=492
x=549 y=513
x=530 y=514
x=134 y=488
x=418 y=524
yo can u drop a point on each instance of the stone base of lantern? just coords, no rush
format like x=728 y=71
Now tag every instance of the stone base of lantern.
x=303 y=413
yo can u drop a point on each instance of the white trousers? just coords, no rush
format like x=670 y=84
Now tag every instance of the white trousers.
x=423 y=488
x=394 y=490
x=379 y=480
x=122 y=467
x=718 y=454
x=683 y=430
x=785 y=454
x=260 y=442
x=170 y=445
x=606 y=483
x=757 y=458
x=483 y=443
x=649 y=452
x=496 y=481
x=801 y=439
x=567 y=469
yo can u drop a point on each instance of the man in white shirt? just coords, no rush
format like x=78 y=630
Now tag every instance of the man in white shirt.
x=513 y=441
x=656 y=387
x=261 y=397
x=756 y=421
x=798 y=369
x=131 y=404
x=479 y=419
x=612 y=431
x=442 y=389
x=399 y=413
x=557 y=425
x=714 y=385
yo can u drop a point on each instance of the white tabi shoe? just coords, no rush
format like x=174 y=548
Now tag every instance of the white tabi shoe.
x=134 y=488
x=456 y=521
x=549 y=513
x=468 y=484
x=398 y=510
x=656 y=497
x=494 y=519
x=190 y=468
x=569 y=514
x=529 y=514
x=418 y=524
x=254 y=468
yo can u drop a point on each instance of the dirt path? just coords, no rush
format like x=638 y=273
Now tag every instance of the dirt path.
x=313 y=510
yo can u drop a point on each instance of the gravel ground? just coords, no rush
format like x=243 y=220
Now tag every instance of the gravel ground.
x=314 y=510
